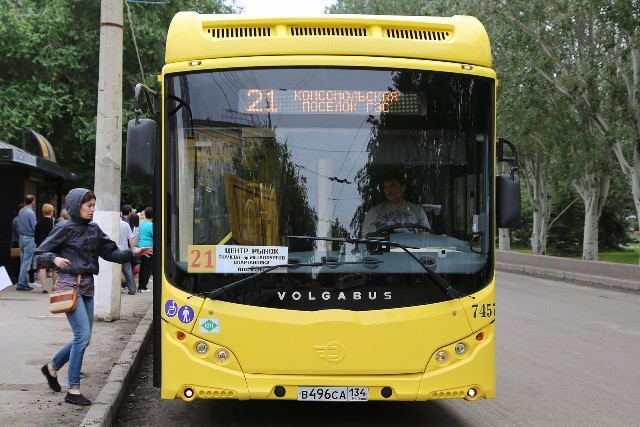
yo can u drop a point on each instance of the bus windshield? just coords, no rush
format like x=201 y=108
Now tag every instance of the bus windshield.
x=258 y=155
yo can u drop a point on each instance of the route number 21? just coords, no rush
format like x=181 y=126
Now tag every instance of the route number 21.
x=197 y=254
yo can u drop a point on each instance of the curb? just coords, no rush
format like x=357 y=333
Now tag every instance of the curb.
x=105 y=407
x=572 y=277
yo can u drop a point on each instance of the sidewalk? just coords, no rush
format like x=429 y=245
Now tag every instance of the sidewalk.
x=30 y=336
x=599 y=273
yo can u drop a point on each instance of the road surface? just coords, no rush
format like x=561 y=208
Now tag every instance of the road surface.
x=567 y=355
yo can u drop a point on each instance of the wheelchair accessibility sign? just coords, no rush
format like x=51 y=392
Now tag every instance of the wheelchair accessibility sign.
x=170 y=308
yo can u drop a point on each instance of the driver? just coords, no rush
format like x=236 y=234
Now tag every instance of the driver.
x=395 y=211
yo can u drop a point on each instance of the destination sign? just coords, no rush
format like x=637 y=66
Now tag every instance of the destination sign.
x=328 y=101
x=233 y=258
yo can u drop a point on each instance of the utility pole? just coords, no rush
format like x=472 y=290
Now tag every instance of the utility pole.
x=109 y=153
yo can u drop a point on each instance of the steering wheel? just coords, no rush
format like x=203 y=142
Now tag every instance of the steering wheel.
x=392 y=227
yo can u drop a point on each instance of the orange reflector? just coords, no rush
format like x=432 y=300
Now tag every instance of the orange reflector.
x=480 y=336
x=180 y=335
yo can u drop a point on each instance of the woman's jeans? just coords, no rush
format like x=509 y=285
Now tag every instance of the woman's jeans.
x=146 y=270
x=81 y=321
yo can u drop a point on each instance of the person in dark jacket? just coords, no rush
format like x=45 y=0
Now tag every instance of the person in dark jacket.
x=43 y=229
x=74 y=247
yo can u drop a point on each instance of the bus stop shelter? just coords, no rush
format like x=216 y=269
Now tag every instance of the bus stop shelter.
x=29 y=170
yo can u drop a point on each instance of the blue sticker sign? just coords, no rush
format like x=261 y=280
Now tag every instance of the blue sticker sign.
x=186 y=314
x=170 y=308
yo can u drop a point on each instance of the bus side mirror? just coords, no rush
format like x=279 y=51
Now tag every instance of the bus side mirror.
x=507 y=201
x=142 y=136
x=141 y=146
x=508 y=197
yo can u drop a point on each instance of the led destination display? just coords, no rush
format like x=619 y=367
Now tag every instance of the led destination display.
x=327 y=101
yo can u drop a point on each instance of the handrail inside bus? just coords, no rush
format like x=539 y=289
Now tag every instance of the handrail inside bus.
x=225 y=239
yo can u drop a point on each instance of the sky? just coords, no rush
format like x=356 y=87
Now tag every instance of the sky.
x=284 y=7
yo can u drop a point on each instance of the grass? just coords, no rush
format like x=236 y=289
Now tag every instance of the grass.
x=522 y=249
x=629 y=255
x=625 y=256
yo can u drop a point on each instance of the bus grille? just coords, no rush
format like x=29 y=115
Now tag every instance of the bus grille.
x=328 y=31
x=296 y=31
x=396 y=33
x=239 y=32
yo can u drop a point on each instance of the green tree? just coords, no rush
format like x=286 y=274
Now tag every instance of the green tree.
x=565 y=237
x=47 y=83
x=378 y=7
x=49 y=57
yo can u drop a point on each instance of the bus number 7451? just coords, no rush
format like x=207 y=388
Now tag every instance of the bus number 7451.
x=486 y=310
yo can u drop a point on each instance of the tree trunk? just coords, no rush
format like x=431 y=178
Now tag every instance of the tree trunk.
x=635 y=184
x=632 y=85
x=539 y=235
x=504 y=239
x=632 y=172
x=594 y=189
x=590 y=236
x=538 y=197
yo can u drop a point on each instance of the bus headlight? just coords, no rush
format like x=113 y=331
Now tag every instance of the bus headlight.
x=461 y=348
x=202 y=347
x=441 y=357
x=222 y=355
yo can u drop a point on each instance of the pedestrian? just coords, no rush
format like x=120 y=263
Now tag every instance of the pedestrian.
x=15 y=228
x=16 y=254
x=27 y=226
x=146 y=241
x=64 y=216
x=134 y=212
x=74 y=247
x=127 y=242
x=126 y=212
x=134 y=223
x=43 y=228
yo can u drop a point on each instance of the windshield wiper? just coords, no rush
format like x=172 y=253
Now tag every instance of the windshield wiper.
x=446 y=287
x=325 y=263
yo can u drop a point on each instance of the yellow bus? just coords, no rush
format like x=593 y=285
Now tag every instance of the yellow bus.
x=327 y=208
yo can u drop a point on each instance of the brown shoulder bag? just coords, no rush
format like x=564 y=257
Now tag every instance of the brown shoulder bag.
x=64 y=301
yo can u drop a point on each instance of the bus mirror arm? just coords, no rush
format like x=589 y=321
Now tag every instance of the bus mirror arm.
x=150 y=104
x=514 y=154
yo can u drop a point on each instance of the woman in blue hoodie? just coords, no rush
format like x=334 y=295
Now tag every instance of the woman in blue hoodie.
x=73 y=247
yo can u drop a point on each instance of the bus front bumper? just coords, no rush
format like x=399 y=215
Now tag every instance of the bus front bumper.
x=196 y=372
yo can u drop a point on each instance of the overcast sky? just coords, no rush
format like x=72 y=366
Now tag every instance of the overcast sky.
x=284 y=7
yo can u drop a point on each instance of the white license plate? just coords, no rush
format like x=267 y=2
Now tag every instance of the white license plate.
x=333 y=394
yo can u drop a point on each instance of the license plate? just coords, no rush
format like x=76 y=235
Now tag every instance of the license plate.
x=333 y=394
